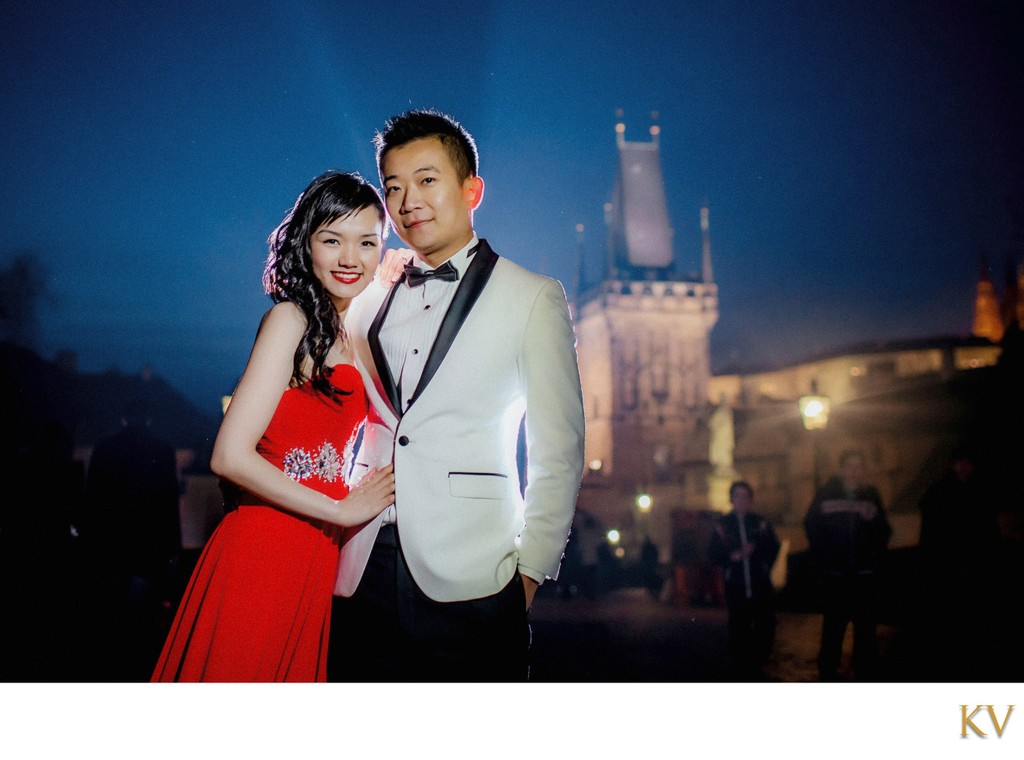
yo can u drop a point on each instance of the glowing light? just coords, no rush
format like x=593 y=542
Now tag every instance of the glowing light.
x=814 y=410
x=614 y=536
x=813 y=407
x=620 y=127
x=596 y=464
x=644 y=502
x=620 y=552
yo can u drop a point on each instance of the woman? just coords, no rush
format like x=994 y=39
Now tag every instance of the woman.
x=257 y=607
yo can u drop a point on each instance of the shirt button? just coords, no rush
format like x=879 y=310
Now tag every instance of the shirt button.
x=403 y=441
x=415 y=351
x=426 y=307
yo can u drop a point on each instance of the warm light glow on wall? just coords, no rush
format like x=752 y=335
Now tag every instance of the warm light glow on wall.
x=596 y=464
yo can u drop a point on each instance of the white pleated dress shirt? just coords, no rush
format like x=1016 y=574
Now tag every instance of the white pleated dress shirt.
x=411 y=326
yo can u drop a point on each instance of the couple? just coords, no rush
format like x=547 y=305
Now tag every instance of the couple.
x=440 y=554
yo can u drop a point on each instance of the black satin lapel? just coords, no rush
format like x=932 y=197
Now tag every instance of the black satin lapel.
x=477 y=274
x=373 y=338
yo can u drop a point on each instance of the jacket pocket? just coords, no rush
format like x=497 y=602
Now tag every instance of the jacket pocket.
x=478 y=485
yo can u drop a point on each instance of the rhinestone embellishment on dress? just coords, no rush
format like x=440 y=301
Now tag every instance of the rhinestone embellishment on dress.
x=299 y=464
x=328 y=464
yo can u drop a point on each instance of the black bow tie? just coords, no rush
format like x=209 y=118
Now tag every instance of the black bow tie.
x=416 y=276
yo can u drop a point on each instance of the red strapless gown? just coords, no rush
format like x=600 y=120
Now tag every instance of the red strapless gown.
x=257 y=607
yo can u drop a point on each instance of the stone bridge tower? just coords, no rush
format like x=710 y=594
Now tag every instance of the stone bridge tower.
x=642 y=331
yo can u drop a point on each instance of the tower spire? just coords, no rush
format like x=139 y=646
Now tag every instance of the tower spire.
x=639 y=231
x=705 y=259
x=577 y=284
x=988 y=321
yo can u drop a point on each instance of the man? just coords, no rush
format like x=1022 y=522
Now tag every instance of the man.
x=438 y=587
x=959 y=551
x=745 y=546
x=848 y=533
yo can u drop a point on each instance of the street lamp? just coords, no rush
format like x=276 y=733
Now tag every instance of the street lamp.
x=814 y=409
x=614 y=537
x=644 y=502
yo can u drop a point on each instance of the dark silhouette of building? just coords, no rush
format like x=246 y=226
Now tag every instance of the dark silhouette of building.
x=62 y=620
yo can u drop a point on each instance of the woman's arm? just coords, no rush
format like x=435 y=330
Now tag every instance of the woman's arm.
x=252 y=406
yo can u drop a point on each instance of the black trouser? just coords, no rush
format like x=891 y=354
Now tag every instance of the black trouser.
x=850 y=599
x=751 y=631
x=389 y=630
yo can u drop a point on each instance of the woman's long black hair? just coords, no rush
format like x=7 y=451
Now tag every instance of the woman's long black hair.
x=288 y=274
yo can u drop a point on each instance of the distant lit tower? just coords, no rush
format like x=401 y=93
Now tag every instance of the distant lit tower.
x=643 y=347
x=988 y=318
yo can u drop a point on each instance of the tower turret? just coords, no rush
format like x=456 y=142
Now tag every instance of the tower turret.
x=705 y=250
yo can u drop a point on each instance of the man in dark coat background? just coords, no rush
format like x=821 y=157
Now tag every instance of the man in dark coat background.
x=848 y=534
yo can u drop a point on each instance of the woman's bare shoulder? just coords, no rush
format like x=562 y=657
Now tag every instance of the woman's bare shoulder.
x=283 y=317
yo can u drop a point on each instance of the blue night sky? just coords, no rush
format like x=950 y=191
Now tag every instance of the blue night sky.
x=856 y=157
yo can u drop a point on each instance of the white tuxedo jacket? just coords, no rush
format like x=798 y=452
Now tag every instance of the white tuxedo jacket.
x=505 y=347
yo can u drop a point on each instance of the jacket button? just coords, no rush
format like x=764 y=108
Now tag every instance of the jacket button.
x=403 y=441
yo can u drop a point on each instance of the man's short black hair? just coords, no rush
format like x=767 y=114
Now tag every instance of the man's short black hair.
x=420 y=123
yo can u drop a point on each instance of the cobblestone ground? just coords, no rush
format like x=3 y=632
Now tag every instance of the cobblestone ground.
x=628 y=636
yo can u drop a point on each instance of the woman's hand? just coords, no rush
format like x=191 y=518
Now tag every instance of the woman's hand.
x=393 y=265
x=375 y=492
